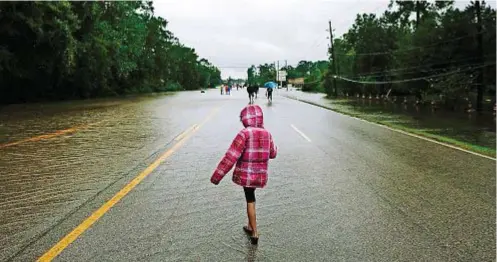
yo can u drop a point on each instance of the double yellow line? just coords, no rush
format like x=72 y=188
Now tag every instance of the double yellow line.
x=88 y=222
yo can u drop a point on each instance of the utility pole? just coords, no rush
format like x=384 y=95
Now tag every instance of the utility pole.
x=278 y=72
x=286 y=69
x=479 y=39
x=418 y=7
x=274 y=64
x=334 y=61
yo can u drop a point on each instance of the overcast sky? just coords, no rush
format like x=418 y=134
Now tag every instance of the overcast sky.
x=233 y=34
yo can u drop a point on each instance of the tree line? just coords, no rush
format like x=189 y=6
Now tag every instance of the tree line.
x=71 y=50
x=311 y=71
x=424 y=49
x=427 y=49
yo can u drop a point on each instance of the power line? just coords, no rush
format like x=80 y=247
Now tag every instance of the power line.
x=419 y=66
x=313 y=82
x=394 y=73
x=412 y=79
x=314 y=45
x=412 y=48
x=405 y=80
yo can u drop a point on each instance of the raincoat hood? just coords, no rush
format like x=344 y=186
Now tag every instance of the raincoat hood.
x=251 y=116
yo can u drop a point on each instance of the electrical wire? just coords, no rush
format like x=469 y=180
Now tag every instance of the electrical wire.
x=412 y=79
x=412 y=48
x=395 y=73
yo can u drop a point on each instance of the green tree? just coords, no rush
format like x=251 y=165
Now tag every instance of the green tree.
x=417 y=56
x=252 y=75
x=267 y=72
x=60 y=50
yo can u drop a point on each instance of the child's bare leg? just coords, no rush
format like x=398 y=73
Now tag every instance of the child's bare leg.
x=252 y=218
x=250 y=197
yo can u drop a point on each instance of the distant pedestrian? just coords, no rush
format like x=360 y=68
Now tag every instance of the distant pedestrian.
x=269 y=94
x=251 y=90
x=222 y=88
x=251 y=150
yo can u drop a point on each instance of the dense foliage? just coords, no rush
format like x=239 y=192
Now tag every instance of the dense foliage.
x=419 y=48
x=312 y=72
x=424 y=49
x=62 y=50
x=261 y=74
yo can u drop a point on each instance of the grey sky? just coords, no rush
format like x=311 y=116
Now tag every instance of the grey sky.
x=233 y=34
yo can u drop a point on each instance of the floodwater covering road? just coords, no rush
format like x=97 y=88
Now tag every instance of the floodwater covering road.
x=339 y=190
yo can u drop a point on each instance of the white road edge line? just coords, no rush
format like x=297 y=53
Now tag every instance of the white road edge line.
x=402 y=132
x=300 y=132
x=425 y=138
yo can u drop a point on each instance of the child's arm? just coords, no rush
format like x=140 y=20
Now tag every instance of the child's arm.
x=273 y=150
x=229 y=159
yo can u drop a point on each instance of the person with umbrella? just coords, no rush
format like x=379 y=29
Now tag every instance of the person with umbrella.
x=269 y=90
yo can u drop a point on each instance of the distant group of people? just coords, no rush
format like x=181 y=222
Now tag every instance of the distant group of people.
x=252 y=90
x=226 y=89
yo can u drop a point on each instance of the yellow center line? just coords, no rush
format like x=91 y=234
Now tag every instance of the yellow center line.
x=182 y=135
x=88 y=222
x=50 y=135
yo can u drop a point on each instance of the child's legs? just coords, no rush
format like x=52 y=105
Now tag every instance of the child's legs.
x=250 y=198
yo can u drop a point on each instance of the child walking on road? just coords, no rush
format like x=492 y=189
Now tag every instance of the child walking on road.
x=251 y=150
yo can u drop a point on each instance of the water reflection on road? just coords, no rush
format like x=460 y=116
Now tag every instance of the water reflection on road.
x=41 y=181
x=347 y=193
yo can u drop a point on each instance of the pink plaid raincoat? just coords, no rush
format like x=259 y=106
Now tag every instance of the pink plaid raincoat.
x=250 y=150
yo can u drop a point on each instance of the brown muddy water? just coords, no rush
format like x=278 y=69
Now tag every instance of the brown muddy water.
x=56 y=156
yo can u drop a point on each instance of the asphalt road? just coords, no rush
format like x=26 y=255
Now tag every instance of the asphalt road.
x=339 y=190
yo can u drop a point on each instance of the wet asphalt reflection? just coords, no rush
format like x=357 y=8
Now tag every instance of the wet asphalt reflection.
x=339 y=190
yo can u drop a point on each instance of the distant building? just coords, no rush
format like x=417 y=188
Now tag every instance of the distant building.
x=297 y=82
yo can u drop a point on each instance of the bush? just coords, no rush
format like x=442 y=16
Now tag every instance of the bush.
x=172 y=86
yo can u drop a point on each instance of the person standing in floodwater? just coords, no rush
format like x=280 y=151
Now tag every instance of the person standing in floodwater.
x=251 y=150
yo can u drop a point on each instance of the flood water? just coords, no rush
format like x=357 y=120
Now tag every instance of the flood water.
x=469 y=127
x=56 y=156
x=346 y=193
x=460 y=125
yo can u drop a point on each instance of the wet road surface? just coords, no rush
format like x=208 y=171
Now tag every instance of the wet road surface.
x=472 y=128
x=339 y=190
